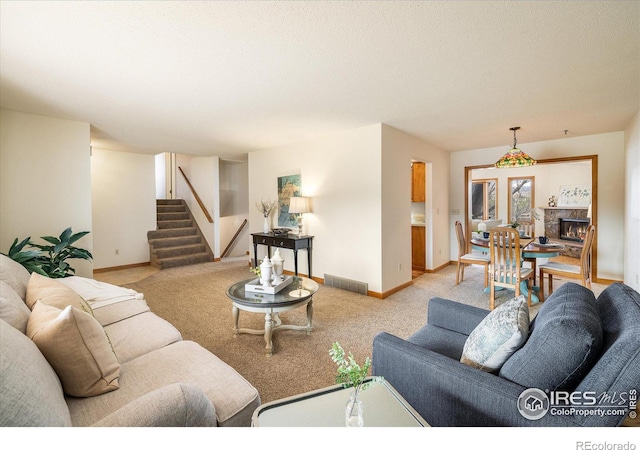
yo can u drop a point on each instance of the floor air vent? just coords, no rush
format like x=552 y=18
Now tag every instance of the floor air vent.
x=346 y=284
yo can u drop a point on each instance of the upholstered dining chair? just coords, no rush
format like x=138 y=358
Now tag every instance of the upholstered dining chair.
x=506 y=264
x=469 y=258
x=581 y=272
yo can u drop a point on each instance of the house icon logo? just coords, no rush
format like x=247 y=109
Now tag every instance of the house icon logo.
x=533 y=404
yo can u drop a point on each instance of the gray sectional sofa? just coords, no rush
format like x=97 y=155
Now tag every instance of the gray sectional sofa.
x=144 y=373
x=576 y=345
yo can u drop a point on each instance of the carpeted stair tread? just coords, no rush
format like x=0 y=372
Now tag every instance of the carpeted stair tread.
x=184 y=260
x=182 y=250
x=170 y=208
x=175 y=241
x=166 y=216
x=162 y=224
x=171 y=233
x=176 y=201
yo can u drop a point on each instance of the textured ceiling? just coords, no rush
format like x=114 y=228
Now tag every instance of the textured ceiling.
x=227 y=78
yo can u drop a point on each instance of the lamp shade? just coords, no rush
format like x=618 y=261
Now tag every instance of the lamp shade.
x=515 y=157
x=298 y=205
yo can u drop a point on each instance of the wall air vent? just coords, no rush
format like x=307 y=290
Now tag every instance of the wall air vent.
x=348 y=285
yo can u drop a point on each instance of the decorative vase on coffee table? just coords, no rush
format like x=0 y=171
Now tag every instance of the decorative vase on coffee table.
x=265 y=226
x=265 y=272
x=353 y=413
x=277 y=261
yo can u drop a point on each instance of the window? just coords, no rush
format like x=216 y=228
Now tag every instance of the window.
x=483 y=199
x=521 y=199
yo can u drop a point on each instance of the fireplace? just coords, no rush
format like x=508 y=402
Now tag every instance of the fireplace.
x=572 y=229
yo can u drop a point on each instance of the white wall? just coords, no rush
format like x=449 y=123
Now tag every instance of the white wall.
x=611 y=187
x=161 y=175
x=360 y=185
x=398 y=149
x=124 y=207
x=632 y=204
x=342 y=175
x=234 y=205
x=203 y=174
x=45 y=180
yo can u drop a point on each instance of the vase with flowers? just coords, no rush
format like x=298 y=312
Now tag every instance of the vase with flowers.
x=351 y=374
x=266 y=207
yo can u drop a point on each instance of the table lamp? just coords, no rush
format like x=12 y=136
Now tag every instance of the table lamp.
x=299 y=206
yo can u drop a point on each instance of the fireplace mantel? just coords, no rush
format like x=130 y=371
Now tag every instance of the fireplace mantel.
x=564 y=207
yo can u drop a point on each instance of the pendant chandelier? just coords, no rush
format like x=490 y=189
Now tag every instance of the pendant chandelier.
x=515 y=157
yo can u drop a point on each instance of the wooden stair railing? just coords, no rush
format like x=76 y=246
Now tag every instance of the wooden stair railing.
x=235 y=236
x=197 y=197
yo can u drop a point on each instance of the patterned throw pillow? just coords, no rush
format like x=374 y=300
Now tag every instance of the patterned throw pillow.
x=498 y=336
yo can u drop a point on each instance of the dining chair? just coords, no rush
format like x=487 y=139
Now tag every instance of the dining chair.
x=581 y=272
x=529 y=229
x=469 y=258
x=506 y=264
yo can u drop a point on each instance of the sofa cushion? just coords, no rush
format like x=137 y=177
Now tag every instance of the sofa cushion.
x=565 y=342
x=233 y=398
x=31 y=393
x=140 y=334
x=498 y=336
x=618 y=367
x=14 y=274
x=77 y=348
x=54 y=293
x=12 y=308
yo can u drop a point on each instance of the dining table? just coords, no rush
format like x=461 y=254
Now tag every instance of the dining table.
x=531 y=249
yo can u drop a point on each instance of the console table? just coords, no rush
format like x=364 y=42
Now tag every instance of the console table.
x=290 y=241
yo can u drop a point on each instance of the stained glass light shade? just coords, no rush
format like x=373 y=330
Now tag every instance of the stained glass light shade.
x=515 y=158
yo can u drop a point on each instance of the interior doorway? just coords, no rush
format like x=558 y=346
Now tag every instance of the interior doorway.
x=419 y=223
x=488 y=171
x=165 y=164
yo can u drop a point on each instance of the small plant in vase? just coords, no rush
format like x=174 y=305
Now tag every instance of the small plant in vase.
x=351 y=374
x=266 y=207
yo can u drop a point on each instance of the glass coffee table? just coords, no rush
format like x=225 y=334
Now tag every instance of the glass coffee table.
x=297 y=294
x=383 y=407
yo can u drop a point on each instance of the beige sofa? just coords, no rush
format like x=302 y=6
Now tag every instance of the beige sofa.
x=68 y=360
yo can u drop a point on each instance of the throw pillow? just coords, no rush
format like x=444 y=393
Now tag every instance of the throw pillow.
x=54 y=293
x=565 y=342
x=498 y=336
x=77 y=348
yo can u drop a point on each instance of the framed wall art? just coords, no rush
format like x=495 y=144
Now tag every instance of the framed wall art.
x=288 y=186
x=575 y=195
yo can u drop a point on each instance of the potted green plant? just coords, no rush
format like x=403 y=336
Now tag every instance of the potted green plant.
x=351 y=374
x=30 y=259
x=50 y=260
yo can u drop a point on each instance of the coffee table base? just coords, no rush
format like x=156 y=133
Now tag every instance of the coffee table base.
x=272 y=321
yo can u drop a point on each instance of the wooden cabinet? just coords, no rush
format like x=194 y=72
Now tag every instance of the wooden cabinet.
x=418 y=178
x=418 y=248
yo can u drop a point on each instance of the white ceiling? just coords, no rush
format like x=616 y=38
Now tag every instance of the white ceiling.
x=227 y=78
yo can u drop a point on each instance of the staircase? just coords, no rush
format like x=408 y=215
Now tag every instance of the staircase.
x=178 y=241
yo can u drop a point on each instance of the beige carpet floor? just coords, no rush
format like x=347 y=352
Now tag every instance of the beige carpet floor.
x=193 y=298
